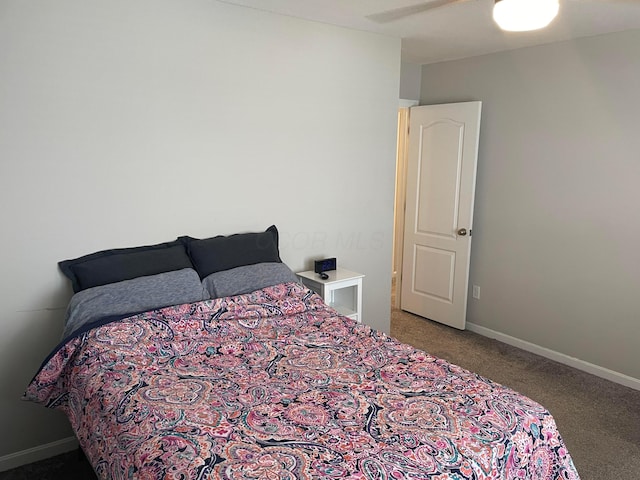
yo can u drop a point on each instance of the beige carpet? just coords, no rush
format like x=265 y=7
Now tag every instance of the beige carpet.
x=599 y=420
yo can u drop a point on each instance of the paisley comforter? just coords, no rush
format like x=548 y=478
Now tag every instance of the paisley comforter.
x=276 y=385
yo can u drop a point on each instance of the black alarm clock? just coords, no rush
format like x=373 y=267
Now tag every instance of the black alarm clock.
x=324 y=265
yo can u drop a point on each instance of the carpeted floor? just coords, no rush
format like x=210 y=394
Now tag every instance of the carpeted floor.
x=68 y=466
x=599 y=420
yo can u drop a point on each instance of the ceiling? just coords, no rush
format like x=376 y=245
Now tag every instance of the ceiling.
x=458 y=30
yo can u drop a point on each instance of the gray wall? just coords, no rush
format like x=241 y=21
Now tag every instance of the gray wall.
x=128 y=123
x=557 y=224
x=410 y=81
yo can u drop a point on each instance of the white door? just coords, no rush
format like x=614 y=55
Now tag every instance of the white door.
x=441 y=178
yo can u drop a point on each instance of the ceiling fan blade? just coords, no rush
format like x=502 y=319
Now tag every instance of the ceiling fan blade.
x=398 y=13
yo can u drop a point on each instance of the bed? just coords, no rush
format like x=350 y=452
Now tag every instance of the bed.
x=255 y=377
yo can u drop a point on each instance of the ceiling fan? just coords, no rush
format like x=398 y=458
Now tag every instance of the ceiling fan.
x=510 y=15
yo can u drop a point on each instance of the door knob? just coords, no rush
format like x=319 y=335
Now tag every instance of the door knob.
x=462 y=232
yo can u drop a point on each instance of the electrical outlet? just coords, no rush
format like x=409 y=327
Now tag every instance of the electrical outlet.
x=476 y=292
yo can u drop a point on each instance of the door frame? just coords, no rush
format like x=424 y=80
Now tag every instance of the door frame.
x=402 y=155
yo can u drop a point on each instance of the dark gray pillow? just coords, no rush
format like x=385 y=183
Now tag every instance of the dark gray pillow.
x=247 y=278
x=134 y=296
x=116 y=265
x=219 y=253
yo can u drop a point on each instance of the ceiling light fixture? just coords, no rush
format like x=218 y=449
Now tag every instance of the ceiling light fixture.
x=524 y=15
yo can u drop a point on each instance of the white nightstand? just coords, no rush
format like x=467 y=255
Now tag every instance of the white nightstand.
x=342 y=290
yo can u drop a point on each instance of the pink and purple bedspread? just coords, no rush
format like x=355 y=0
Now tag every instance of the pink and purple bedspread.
x=276 y=385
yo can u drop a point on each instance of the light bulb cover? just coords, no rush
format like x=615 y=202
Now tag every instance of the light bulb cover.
x=524 y=15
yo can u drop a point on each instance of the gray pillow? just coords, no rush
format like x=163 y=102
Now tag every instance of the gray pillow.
x=134 y=296
x=247 y=278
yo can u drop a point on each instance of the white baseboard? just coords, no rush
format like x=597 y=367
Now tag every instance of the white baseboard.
x=601 y=372
x=30 y=455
